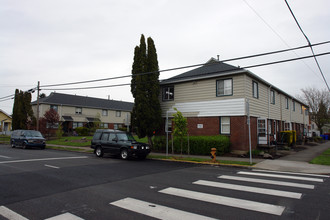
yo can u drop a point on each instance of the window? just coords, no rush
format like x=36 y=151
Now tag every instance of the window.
x=104 y=125
x=272 y=97
x=117 y=126
x=224 y=87
x=118 y=113
x=294 y=106
x=55 y=107
x=168 y=93
x=105 y=137
x=225 y=125
x=104 y=112
x=78 y=111
x=287 y=126
x=77 y=124
x=261 y=127
x=301 y=109
x=286 y=103
x=255 y=90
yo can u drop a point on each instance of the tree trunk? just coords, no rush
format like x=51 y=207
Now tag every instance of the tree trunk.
x=150 y=141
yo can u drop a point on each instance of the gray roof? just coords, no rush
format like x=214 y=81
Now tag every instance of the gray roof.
x=84 y=101
x=210 y=69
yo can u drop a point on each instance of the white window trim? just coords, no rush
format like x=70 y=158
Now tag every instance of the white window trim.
x=222 y=124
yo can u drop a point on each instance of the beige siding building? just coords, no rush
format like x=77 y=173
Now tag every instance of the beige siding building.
x=214 y=99
x=80 y=111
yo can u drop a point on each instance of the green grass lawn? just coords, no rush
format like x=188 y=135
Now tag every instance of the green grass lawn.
x=142 y=140
x=76 y=141
x=323 y=159
x=4 y=139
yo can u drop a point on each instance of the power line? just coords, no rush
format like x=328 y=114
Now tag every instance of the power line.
x=245 y=67
x=309 y=43
x=184 y=67
x=279 y=36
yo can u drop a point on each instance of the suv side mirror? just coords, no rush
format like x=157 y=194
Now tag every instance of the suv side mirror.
x=115 y=139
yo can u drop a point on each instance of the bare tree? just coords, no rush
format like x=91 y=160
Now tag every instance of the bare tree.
x=319 y=105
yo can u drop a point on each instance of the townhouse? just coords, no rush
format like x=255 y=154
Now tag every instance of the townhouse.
x=81 y=111
x=218 y=98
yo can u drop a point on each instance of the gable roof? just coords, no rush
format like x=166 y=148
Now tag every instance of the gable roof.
x=84 y=101
x=5 y=114
x=212 y=68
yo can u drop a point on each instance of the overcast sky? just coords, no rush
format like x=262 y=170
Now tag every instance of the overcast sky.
x=74 y=40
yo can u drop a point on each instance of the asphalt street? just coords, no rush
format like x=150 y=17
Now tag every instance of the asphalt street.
x=50 y=184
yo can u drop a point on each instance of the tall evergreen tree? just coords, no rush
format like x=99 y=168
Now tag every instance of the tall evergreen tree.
x=22 y=111
x=146 y=115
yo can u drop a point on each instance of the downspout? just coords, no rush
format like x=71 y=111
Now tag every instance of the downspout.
x=269 y=98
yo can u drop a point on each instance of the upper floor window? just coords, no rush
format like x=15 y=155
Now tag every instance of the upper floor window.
x=118 y=113
x=272 y=97
x=286 y=103
x=224 y=87
x=294 y=106
x=55 y=107
x=78 y=111
x=168 y=93
x=104 y=112
x=255 y=90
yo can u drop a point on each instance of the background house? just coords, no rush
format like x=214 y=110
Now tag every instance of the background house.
x=214 y=99
x=81 y=111
x=5 y=122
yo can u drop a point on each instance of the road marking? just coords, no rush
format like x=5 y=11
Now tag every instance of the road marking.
x=9 y=214
x=274 y=182
x=4 y=157
x=46 y=165
x=227 y=201
x=303 y=174
x=156 y=211
x=272 y=192
x=65 y=216
x=42 y=159
x=282 y=176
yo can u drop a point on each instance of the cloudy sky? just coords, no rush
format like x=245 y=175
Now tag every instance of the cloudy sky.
x=75 y=40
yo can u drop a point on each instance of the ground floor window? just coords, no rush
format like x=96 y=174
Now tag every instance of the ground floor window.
x=225 y=125
x=104 y=125
x=117 y=126
x=287 y=126
x=77 y=124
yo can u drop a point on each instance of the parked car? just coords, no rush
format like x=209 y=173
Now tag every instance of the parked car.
x=27 y=138
x=119 y=143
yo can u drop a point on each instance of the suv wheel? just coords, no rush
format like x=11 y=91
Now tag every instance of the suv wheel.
x=124 y=154
x=99 y=152
x=24 y=145
x=13 y=144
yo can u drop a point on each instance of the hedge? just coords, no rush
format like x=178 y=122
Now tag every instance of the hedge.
x=82 y=131
x=199 y=145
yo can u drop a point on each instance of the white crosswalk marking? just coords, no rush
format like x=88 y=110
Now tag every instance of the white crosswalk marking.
x=281 y=176
x=65 y=216
x=156 y=211
x=9 y=214
x=274 y=182
x=227 y=201
x=302 y=174
x=250 y=189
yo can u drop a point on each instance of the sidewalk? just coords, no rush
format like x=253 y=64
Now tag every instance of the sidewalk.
x=298 y=161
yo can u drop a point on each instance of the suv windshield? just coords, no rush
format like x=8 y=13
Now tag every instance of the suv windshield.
x=32 y=134
x=125 y=137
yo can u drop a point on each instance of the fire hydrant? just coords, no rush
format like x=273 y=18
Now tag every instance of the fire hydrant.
x=213 y=154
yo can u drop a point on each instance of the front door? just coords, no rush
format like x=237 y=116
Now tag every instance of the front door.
x=262 y=131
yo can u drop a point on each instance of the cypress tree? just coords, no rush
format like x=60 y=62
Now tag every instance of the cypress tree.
x=22 y=111
x=146 y=115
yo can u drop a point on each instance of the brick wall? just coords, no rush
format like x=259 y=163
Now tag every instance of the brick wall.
x=210 y=126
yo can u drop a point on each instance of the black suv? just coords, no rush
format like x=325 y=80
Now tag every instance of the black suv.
x=27 y=138
x=118 y=143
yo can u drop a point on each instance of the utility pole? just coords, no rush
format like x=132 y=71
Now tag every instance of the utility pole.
x=38 y=91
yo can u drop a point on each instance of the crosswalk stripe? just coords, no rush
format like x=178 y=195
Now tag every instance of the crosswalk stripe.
x=156 y=211
x=9 y=214
x=302 y=174
x=272 y=192
x=281 y=176
x=65 y=216
x=227 y=201
x=274 y=182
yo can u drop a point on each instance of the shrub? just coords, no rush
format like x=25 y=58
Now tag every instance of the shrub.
x=82 y=131
x=198 y=145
